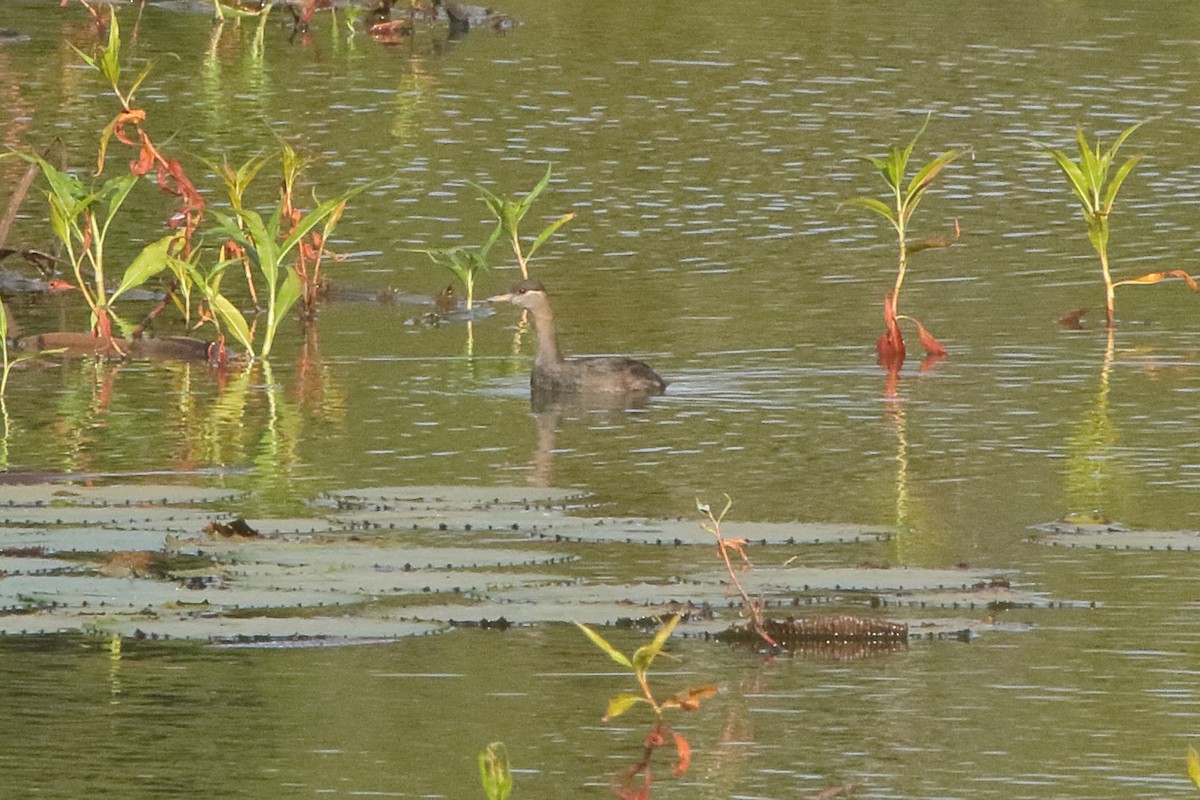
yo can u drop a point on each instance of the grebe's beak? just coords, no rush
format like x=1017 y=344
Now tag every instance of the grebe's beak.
x=501 y=298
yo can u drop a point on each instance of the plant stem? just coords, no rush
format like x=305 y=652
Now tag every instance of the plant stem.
x=516 y=246
x=1109 y=295
x=902 y=266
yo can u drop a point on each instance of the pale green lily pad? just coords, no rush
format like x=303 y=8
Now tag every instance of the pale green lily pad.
x=982 y=598
x=856 y=579
x=250 y=631
x=20 y=565
x=281 y=527
x=166 y=517
x=550 y=524
x=81 y=540
x=460 y=497
x=365 y=584
x=1117 y=537
x=77 y=591
x=322 y=556
x=116 y=495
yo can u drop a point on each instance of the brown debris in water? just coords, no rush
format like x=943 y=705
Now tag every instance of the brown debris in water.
x=133 y=564
x=237 y=529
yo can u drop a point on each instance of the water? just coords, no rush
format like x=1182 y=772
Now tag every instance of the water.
x=705 y=153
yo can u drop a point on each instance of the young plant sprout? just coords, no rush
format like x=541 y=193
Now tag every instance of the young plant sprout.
x=510 y=212
x=494 y=772
x=686 y=700
x=903 y=202
x=1096 y=193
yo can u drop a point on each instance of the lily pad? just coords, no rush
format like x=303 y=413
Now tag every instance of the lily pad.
x=854 y=579
x=981 y=598
x=552 y=524
x=240 y=631
x=85 y=540
x=41 y=494
x=460 y=497
x=134 y=516
x=321 y=556
x=1118 y=537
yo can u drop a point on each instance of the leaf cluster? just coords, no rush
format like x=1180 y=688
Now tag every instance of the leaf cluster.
x=1089 y=180
x=906 y=195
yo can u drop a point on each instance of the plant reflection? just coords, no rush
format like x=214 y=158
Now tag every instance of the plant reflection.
x=1090 y=460
x=915 y=540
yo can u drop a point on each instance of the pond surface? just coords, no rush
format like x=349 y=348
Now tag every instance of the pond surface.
x=705 y=153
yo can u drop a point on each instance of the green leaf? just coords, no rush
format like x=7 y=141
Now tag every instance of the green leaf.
x=117 y=189
x=289 y=292
x=912 y=144
x=1111 y=195
x=148 y=263
x=138 y=81
x=622 y=703
x=1075 y=177
x=644 y=655
x=231 y=318
x=613 y=653
x=878 y=206
x=314 y=217
x=925 y=176
x=494 y=772
x=1193 y=765
x=527 y=201
x=549 y=231
x=110 y=64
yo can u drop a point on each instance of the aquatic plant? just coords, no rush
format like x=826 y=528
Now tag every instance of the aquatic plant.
x=751 y=608
x=635 y=782
x=1090 y=183
x=494 y=772
x=1193 y=765
x=905 y=197
x=82 y=214
x=463 y=262
x=169 y=173
x=509 y=212
x=265 y=246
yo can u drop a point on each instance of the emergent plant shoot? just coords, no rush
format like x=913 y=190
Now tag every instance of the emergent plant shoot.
x=509 y=213
x=1089 y=181
x=494 y=772
x=905 y=197
x=266 y=246
x=686 y=700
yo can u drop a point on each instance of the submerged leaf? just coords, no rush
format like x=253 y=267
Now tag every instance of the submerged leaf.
x=935 y=242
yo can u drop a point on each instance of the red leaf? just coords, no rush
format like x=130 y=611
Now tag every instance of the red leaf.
x=685 y=755
x=932 y=346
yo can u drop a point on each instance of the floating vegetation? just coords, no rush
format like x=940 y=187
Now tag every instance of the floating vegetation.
x=171 y=561
x=1113 y=536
